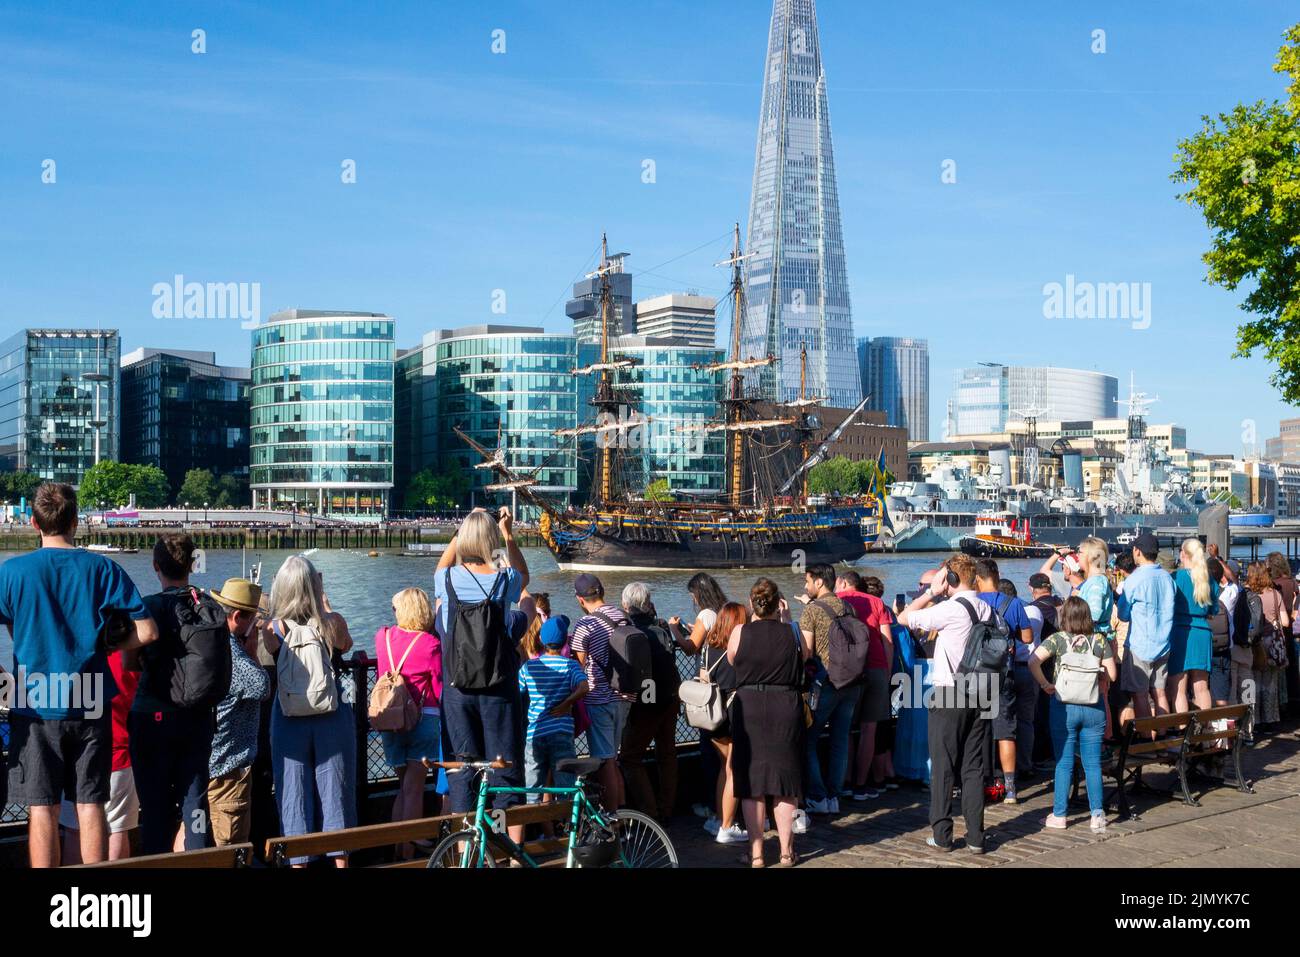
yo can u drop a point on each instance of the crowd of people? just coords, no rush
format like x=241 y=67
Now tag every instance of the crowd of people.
x=191 y=715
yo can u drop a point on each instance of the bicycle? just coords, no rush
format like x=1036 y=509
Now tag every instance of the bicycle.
x=630 y=838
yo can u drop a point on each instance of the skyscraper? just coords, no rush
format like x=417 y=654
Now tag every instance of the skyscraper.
x=896 y=374
x=988 y=396
x=797 y=289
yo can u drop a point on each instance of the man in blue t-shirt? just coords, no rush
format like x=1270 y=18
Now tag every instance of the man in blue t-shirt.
x=63 y=605
x=1012 y=609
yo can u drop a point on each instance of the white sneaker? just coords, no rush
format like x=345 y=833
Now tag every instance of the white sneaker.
x=834 y=804
x=800 y=821
x=712 y=825
x=817 y=807
x=732 y=835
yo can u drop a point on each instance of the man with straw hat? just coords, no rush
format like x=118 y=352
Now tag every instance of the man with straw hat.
x=234 y=744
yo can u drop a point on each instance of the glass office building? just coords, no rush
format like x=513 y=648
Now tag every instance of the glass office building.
x=896 y=375
x=321 y=425
x=986 y=397
x=506 y=387
x=797 y=288
x=666 y=386
x=182 y=411
x=59 y=401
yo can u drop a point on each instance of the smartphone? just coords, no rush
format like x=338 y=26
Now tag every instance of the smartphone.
x=900 y=600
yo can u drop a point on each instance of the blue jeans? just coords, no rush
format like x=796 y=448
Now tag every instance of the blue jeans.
x=540 y=756
x=834 y=708
x=482 y=725
x=314 y=760
x=1081 y=726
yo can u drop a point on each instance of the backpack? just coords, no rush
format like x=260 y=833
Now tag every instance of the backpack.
x=630 y=663
x=1247 y=618
x=304 y=672
x=478 y=640
x=200 y=672
x=705 y=703
x=391 y=706
x=1220 y=629
x=1048 y=609
x=989 y=645
x=1077 y=674
x=663 y=662
x=847 y=644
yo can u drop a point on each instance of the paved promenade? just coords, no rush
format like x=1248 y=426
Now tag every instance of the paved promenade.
x=1229 y=829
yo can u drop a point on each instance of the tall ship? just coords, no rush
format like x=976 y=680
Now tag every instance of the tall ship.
x=760 y=518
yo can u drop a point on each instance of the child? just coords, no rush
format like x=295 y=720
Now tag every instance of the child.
x=553 y=684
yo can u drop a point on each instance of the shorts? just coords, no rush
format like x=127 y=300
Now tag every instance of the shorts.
x=423 y=741
x=540 y=757
x=1005 y=723
x=1138 y=676
x=607 y=723
x=1221 y=678
x=122 y=808
x=50 y=759
x=875 y=696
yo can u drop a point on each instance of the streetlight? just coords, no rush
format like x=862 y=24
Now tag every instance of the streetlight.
x=205 y=512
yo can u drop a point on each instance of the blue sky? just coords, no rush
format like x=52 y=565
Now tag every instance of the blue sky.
x=478 y=172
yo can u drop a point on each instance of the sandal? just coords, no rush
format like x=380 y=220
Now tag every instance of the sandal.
x=757 y=862
x=789 y=860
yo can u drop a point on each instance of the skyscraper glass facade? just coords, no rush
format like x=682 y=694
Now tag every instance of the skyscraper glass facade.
x=986 y=397
x=322 y=411
x=666 y=386
x=182 y=411
x=797 y=288
x=896 y=374
x=515 y=380
x=59 y=401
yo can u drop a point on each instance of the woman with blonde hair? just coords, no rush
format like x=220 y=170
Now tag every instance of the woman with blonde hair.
x=1096 y=591
x=1191 y=641
x=411 y=650
x=313 y=756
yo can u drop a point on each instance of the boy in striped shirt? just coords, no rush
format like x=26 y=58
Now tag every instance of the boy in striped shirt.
x=553 y=683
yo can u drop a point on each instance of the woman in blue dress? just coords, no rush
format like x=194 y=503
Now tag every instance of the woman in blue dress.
x=1195 y=596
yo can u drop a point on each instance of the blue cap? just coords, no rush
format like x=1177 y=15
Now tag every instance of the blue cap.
x=555 y=631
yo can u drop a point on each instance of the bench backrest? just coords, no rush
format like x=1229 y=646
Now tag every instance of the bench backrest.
x=280 y=849
x=231 y=855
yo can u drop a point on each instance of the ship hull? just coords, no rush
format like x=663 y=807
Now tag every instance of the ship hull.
x=677 y=546
x=986 y=548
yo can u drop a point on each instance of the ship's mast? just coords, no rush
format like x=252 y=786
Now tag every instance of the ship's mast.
x=803 y=435
x=736 y=384
x=604 y=400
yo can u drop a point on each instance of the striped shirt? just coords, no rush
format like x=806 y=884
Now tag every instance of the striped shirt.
x=548 y=680
x=591 y=637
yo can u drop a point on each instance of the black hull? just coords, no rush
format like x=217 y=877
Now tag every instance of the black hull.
x=728 y=550
x=979 y=548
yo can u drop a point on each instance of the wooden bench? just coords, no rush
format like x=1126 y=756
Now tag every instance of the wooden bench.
x=1146 y=742
x=231 y=855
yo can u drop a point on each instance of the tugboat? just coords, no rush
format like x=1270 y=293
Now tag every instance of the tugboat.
x=999 y=535
x=753 y=523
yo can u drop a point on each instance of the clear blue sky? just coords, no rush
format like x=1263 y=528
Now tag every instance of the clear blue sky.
x=478 y=172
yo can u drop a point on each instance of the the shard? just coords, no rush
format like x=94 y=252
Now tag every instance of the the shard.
x=797 y=290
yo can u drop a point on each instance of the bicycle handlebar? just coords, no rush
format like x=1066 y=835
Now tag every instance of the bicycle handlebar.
x=496 y=765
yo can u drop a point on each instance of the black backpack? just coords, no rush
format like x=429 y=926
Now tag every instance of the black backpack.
x=478 y=642
x=988 y=648
x=631 y=662
x=848 y=642
x=663 y=662
x=1220 y=635
x=200 y=673
x=1048 y=610
x=1247 y=619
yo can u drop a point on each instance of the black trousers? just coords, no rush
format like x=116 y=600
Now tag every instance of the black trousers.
x=958 y=739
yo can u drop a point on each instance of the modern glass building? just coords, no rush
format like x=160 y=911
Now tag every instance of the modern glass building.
x=321 y=427
x=584 y=307
x=506 y=387
x=59 y=401
x=667 y=386
x=182 y=411
x=896 y=374
x=797 y=288
x=987 y=396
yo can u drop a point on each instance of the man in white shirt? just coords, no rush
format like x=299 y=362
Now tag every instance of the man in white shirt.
x=958 y=735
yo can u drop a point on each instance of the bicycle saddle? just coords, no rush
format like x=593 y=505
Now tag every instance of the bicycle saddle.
x=579 y=766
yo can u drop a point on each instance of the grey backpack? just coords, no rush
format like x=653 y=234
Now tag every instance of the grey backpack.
x=304 y=672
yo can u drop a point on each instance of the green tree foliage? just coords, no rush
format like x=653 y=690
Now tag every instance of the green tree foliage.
x=199 y=486
x=1243 y=172
x=440 y=490
x=658 y=491
x=843 y=476
x=17 y=485
x=232 y=492
x=113 y=483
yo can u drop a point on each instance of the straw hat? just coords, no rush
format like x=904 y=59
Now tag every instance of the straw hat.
x=239 y=593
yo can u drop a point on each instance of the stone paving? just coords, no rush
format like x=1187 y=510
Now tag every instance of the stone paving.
x=1228 y=829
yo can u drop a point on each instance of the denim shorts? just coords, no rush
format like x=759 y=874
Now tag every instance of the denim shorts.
x=540 y=757
x=422 y=741
x=607 y=723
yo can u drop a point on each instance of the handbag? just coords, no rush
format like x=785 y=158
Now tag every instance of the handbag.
x=1275 y=645
x=704 y=701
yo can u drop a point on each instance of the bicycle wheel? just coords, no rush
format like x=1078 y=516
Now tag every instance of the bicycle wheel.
x=643 y=842
x=450 y=852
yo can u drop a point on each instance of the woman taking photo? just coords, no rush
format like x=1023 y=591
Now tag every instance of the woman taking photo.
x=313 y=745
x=707 y=596
x=767 y=719
x=1075 y=727
x=1191 y=641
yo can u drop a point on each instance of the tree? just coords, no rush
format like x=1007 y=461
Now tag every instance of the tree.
x=658 y=491
x=199 y=486
x=232 y=492
x=1243 y=172
x=442 y=490
x=837 y=476
x=113 y=483
x=16 y=485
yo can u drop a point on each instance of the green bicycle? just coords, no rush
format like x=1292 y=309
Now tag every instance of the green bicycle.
x=596 y=837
